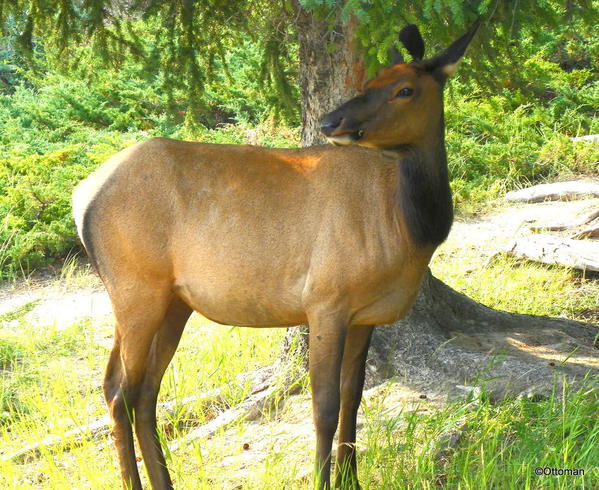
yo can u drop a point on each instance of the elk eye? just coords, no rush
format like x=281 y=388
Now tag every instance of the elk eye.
x=405 y=92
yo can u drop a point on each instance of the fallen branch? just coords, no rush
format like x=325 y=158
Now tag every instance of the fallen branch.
x=97 y=428
x=101 y=427
x=575 y=189
x=550 y=249
x=565 y=226
x=248 y=409
x=590 y=138
x=264 y=395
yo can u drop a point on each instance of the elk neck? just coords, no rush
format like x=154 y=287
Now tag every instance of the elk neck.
x=423 y=193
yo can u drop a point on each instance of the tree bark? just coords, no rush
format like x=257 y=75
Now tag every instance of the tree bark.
x=447 y=340
x=330 y=70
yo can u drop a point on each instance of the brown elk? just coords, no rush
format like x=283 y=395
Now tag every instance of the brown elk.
x=337 y=237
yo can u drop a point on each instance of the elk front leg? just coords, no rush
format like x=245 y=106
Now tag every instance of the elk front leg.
x=327 y=338
x=353 y=368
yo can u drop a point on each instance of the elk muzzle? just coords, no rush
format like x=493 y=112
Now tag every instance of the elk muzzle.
x=349 y=122
x=337 y=130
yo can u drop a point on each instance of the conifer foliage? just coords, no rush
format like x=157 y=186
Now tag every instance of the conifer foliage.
x=181 y=40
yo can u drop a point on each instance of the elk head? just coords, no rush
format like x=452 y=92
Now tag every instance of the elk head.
x=403 y=104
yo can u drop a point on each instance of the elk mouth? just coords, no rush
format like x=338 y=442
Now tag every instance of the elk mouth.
x=345 y=138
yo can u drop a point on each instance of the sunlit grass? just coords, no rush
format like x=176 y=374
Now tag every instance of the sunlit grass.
x=51 y=383
x=519 y=286
x=499 y=445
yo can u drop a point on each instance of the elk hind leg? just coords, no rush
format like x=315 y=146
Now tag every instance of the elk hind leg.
x=138 y=319
x=162 y=350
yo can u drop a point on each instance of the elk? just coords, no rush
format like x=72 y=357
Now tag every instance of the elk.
x=334 y=236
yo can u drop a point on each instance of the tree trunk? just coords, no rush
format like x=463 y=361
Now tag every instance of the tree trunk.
x=448 y=340
x=330 y=71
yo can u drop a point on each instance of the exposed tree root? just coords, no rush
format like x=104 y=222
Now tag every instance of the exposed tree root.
x=449 y=340
x=264 y=385
x=451 y=344
x=448 y=344
x=98 y=428
x=271 y=384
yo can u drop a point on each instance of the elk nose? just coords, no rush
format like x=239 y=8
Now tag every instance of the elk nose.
x=329 y=124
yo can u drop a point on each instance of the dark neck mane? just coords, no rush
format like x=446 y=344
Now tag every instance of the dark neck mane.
x=423 y=193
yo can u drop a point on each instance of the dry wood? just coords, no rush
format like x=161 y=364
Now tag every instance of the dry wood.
x=271 y=383
x=574 y=189
x=95 y=429
x=100 y=427
x=565 y=226
x=550 y=249
x=591 y=231
x=248 y=409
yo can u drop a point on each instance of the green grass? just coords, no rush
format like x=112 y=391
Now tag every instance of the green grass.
x=524 y=287
x=51 y=383
x=500 y=445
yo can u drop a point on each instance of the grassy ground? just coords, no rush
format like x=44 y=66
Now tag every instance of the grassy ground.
x=51 y=382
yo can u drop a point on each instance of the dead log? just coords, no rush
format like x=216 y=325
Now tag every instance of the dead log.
x=549 y=249
x=566 y=226
x=575 y=189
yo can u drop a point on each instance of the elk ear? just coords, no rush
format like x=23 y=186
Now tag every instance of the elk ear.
x=410 y=37
x=446 y=63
